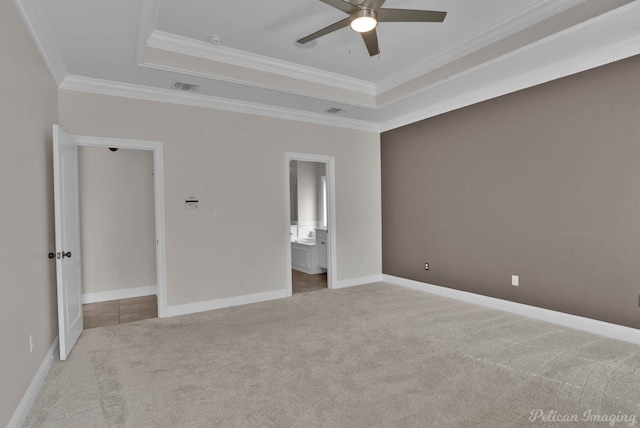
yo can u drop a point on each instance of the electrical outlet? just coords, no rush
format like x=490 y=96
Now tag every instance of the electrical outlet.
x=252 y=275
x=515 y=280
x=426 y=266
x=32 y=343
x=118 y=273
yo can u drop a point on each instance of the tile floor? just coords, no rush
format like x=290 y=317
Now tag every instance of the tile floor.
x=139 y=308
x=119 y=311
x=303 y=282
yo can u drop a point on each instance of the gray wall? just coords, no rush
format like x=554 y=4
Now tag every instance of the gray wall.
x=28 y=108
x=117 y=219
x=543 y=183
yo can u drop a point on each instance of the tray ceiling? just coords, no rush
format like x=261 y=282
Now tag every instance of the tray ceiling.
x=140 y=48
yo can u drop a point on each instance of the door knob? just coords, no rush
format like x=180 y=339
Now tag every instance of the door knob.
x=67 y=254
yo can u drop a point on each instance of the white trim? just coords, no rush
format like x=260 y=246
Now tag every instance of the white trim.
x=187 y=46
x=344 y=283
x=43 y=39
x=21 y=413
x=118 y=89
x=158 y=186
x=330 y=172
x=594 y=59
x=624 y=42
x=320 y=96
x=537 y=13
x=210 y=305
x=126 y=293
x=602 y=328
x=533 y=15
x=161 y=240
x=427 y=102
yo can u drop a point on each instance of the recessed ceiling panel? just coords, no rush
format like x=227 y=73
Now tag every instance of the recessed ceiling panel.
x=271 y=29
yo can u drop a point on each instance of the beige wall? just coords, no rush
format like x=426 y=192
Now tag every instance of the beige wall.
x=117 y=219
x=28 y=108
x=234 y=164
x=543 y=183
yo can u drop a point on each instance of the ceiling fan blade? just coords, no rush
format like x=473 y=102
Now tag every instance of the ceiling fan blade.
x=372 y=4
x=326 y=30
x=371 y=40
x=344 y=6
x=408 y=15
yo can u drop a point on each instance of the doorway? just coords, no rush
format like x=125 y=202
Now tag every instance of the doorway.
x=310 y=220
x=117 y=234
x=144 y=299
x=67 y=228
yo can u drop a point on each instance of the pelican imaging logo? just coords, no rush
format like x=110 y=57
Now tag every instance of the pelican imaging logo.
x=612 y=420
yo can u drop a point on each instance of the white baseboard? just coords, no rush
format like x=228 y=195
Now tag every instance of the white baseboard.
x=19 y=416
x=210 y=305
x=602 y=328
x=127 y=293
x=357 y=281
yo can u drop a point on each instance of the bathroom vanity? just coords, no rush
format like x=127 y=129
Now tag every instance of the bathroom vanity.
x=309 y=254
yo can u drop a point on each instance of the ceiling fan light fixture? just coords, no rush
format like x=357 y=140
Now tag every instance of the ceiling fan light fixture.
x=363 y=20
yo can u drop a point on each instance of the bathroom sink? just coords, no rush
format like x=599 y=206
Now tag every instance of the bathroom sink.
x=306 y=241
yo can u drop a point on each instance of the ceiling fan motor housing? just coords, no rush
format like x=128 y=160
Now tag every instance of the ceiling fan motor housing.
x=365 y=15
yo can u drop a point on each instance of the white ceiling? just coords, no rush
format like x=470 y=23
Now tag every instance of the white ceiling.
x=271 y=29
x=138 y=48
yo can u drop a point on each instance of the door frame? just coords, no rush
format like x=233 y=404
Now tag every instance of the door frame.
x=332 y=262
x=158 y=187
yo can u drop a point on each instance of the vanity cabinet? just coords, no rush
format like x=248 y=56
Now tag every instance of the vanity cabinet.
x=321 y=246
x=304 y=257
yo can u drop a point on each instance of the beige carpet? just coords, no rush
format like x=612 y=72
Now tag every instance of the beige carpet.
x=369 y=356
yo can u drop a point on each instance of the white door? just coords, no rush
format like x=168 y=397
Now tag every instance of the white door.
x=67 y=225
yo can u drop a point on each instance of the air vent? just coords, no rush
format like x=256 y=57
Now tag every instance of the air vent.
x=182 y=86
x=335 y=110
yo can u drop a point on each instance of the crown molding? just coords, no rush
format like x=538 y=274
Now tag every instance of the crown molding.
x=200 y=49
x=183 y=45
x=494 y=61
x=43 y=39
x=320 y=96
x=584 y=42
x=533 y=15
x=118 y=89
x=624 y=43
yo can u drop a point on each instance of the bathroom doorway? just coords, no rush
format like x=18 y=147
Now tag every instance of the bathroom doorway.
x=310 y=216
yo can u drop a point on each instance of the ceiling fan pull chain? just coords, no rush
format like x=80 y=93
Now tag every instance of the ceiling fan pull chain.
x=349 y=31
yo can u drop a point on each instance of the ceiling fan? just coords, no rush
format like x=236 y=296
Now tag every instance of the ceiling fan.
x=364 y=16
